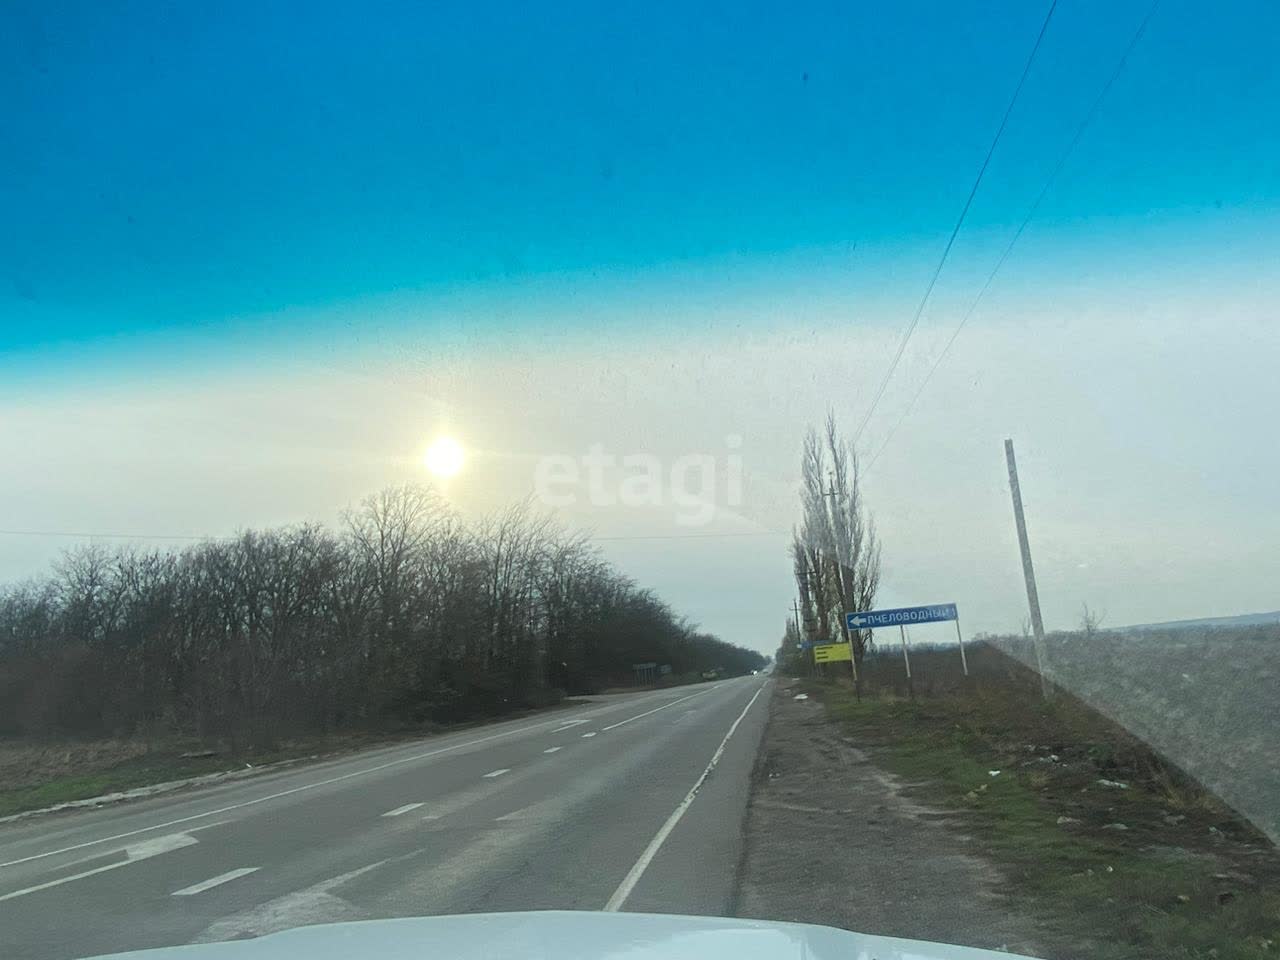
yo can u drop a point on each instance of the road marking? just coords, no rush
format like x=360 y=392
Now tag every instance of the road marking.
x=283 y=793
x=312 y=905
x=140 y=851
x=497 y=773
x=551 y=750
x=571 y=723
x=655 y=710
x=514 y=815
x=637 y=870
x=405 y=809
x=212 y=882
x=591 y=734
x=292 y=790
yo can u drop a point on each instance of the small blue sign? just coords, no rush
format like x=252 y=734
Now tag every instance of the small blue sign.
x=901 y=616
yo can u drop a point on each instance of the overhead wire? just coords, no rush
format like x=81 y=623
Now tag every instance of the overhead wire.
x=1035 y=207
x=937 y=271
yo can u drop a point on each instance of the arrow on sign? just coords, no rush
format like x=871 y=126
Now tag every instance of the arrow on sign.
x=873 y=619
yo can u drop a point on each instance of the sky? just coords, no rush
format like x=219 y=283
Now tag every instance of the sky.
x=255 y=260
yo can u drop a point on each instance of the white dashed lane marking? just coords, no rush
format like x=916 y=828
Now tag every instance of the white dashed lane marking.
x=497 y=773
x=144 y=850
x=212 y=882
x=399 y=810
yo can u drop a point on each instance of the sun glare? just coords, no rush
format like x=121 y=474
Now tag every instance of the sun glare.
x=444 y=457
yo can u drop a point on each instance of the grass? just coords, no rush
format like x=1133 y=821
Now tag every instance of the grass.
x=33 y=776
x=124 y=776
x=36 y=774
x=1182 y=878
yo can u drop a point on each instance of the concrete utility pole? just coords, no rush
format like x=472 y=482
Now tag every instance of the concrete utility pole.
x=803 y=631
x=1028 y=572
x=840 y=572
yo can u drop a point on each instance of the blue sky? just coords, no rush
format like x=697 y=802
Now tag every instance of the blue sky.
x=171 y=165
x=415 y=206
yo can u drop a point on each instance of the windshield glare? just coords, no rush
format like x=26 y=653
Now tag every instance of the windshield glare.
x=596 y=479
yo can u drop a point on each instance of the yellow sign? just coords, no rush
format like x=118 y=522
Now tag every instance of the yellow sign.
x=831 y=652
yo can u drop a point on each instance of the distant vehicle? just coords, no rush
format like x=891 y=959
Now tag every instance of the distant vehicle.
x=575 y=935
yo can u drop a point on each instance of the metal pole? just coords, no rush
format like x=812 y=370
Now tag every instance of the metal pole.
x=1028 y=572
x=963 y=662
x=911 y=684
x=803 y=639
x=840 y=581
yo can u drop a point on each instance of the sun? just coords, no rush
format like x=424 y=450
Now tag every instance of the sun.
x=444 y=457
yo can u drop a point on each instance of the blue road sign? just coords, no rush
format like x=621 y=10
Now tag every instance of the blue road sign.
x=870 y=619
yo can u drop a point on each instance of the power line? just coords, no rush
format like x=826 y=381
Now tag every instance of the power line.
x=1062 y=160
x=915 y=320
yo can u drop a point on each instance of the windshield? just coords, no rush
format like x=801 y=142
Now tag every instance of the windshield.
x=801 y=463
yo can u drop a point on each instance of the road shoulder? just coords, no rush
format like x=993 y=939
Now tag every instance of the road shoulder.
x=831 y=838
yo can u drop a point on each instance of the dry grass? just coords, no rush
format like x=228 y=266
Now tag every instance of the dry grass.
x=28 y=764
x=1095 y=831
x=41 y=773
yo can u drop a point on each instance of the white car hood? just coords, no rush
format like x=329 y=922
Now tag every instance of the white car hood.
x=567 y=935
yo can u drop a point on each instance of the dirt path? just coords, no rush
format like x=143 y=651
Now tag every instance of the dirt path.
x=831 y=839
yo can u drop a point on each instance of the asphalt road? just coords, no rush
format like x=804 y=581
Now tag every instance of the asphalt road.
x=587 y=809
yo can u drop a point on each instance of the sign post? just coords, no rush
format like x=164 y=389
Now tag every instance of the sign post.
x=906 y=660
x=901 y=616
x=959 y=639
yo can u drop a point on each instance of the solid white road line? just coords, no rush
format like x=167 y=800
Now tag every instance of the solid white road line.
x=212 y=882
x=140 y=851
x=551 y=750
x=637 y=871
x=571 y=723
x=671 y=703
x=586 y=735
x=497 y=773
x=405 y=809
x=293 y=790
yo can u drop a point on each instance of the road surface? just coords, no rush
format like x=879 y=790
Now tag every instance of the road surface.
x=585 y=809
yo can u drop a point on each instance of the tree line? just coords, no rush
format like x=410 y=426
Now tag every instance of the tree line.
x=405 y=614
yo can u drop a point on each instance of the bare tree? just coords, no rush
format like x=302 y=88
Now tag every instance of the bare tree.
x=1090 y=621
x=835 y=552
x=855 y=554
x=408 y=614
